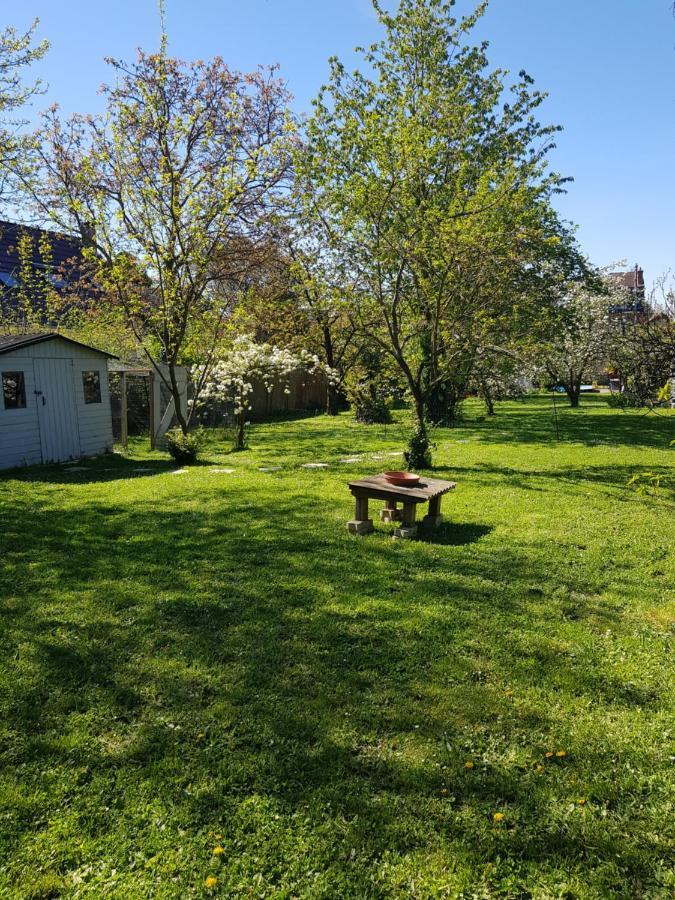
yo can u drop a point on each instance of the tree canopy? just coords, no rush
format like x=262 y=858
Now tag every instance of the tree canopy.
x=428 y=173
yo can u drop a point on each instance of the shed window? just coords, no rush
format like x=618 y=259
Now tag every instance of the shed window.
x=14 y=390
x=91 y=382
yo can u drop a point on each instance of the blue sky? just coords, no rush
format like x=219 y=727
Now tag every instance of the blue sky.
x=608 y=66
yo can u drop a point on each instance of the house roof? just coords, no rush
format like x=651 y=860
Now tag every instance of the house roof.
x=633 y=279
x=64 y=249
x=9 y=342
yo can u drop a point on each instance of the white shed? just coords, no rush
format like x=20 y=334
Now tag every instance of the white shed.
x=55 y=404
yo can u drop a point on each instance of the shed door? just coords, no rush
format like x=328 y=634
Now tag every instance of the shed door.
x=57 y=412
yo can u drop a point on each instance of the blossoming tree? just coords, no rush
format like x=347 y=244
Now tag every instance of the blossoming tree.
x=232 y=378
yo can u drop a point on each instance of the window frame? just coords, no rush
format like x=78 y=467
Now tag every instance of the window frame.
x=20 y=374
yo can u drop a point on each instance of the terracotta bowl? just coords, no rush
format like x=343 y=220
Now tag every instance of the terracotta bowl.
x=402 y=479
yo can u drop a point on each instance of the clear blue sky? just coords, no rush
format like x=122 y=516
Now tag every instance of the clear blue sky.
x=608 y=65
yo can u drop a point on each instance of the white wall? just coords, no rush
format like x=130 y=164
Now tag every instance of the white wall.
x=19 y=428
x=95 y=419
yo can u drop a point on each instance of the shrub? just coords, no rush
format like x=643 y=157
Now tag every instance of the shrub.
x=370 y=406
x=184 y=448
x=418 y=454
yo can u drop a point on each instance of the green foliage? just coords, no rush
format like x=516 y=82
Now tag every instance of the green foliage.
x=369 y=386
x=418 y=454
x=624 y=400
x=651 y=483
x=215 y=662
x=369 y=405
x=169 y=187
x=18 y=51
x=184 y=448
x=428 y=171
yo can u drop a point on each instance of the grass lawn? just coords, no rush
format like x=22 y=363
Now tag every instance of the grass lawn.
x=203 y=676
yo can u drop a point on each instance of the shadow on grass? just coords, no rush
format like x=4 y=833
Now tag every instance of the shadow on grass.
x=454 y=534
x=533 y=421
x=110 y=467
x=325 y=674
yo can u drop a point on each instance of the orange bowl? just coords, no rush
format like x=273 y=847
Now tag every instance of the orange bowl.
x=402 y=479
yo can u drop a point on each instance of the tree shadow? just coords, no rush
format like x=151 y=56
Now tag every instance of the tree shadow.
x=454 y=534
x=594 y=423
x=222 y=654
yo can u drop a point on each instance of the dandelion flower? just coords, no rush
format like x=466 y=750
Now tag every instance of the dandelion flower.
x=218 y=851
x=549 y=754
x=540 y=768
x=561 y=753
x=211 y=881
x=498 y=817
x=581 y=801
x=468 y=765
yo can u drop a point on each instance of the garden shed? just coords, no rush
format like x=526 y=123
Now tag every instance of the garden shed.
x=55 y=404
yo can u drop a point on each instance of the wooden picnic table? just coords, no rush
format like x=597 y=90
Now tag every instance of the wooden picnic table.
x=377 y=487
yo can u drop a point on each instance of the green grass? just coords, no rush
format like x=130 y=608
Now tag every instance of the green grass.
x=209 y=660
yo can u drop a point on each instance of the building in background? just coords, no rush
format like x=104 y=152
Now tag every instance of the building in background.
x=634 y=307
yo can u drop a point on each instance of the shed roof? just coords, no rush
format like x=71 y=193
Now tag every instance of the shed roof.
x=10 y=342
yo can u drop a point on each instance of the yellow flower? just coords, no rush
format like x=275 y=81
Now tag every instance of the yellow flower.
x=468 y=765
x=201 y=736
x=561 y=753
x=218 y=851
x=211 y=881
x=498 y=817
x=581 y=801
x=540 y=768
x=509 y=693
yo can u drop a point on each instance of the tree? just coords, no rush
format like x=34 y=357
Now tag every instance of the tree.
x=496 y=376
x=584 y=340
x=18 y=51
x=431 y=184
x=644 y=353
x=303 y=300
x=232 y=378
x=169 y=190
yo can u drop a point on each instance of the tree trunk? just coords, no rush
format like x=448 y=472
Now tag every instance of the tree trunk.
x=573 y=392
x=420 y=413
x=332 y=394
x=241 y=431
x=181 y=418
x=332 y=400
x=488 y=400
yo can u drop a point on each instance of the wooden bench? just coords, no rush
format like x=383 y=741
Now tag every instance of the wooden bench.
x=429 y=490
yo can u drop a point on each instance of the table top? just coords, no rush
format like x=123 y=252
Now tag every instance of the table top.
x=378 y=486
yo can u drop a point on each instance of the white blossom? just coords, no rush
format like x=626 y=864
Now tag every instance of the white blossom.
x=232 y=378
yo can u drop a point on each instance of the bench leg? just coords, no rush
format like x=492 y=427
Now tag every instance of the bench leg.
x=390 y=513
x=360 y=524
x=434 y=518
x=408 y=527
